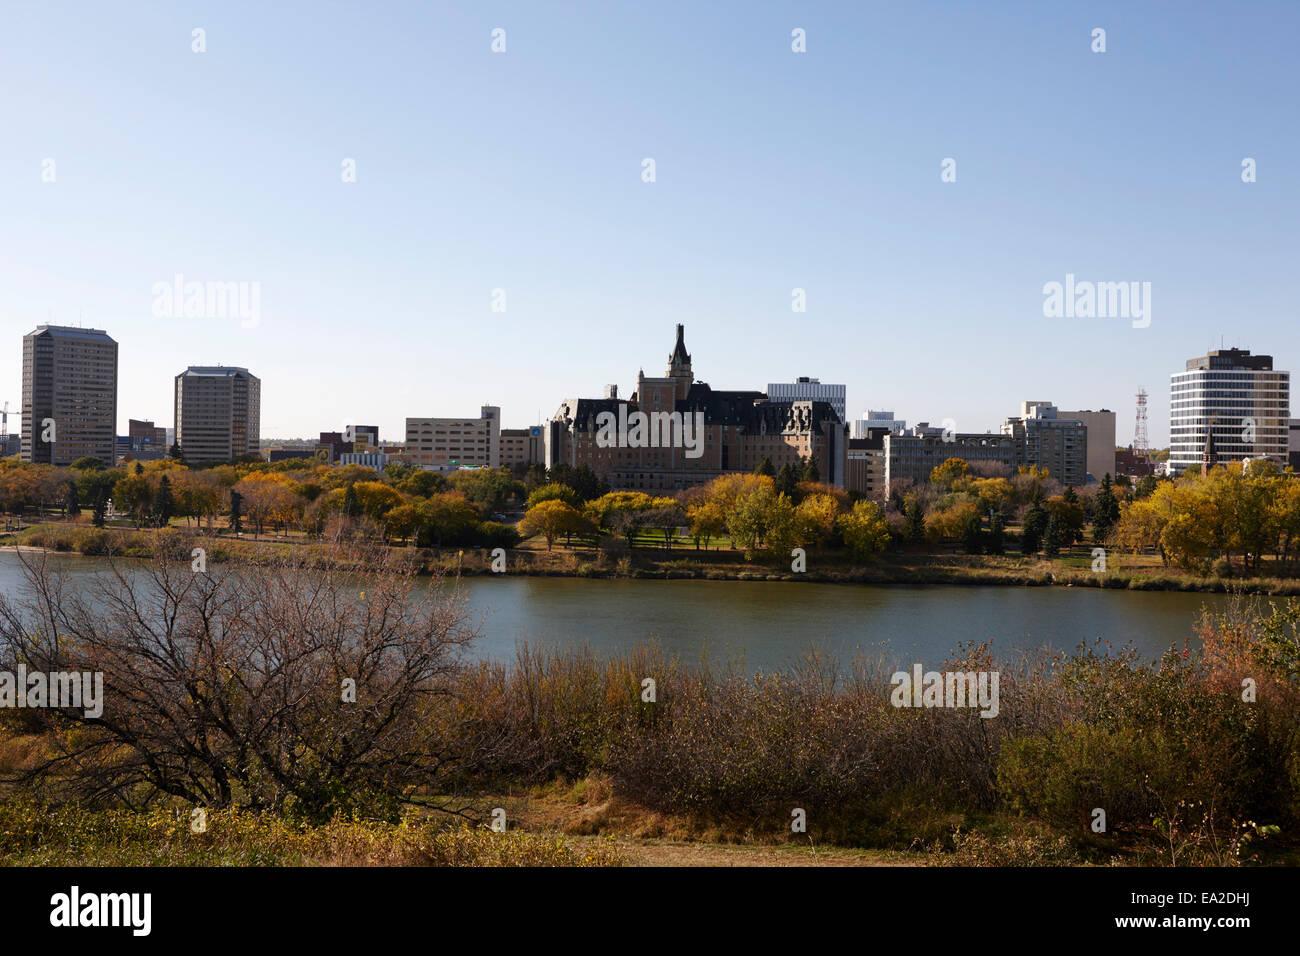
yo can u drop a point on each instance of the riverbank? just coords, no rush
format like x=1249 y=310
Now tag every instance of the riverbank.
x=1073 y=568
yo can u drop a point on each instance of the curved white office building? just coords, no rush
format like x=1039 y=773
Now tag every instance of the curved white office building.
x=1237 y=395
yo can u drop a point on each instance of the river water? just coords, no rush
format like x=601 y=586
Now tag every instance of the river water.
x=770 y=624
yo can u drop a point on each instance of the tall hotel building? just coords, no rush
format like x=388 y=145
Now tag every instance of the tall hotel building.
x=70 y=378
x=218 y=413
x=1228 y=405
x=740 y=429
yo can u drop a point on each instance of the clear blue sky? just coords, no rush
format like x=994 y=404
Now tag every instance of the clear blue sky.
x=775 y=170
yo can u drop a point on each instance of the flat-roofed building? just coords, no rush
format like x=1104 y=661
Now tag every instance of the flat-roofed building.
x=1049 y=440
x=448 y=444
x=218 y=413
x=1233 y=401
x=861 y=427
x=865 y=470
x=144 y=441
x=914 y=454
x=521 y=447
x=805 y=389
x=69 y=395
x=1100 y=426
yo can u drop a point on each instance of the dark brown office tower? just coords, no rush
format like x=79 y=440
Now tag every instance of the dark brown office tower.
x=69 y=395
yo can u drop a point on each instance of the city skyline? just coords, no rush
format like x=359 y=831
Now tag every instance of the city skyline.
x=1124 y=415
x=522 y=172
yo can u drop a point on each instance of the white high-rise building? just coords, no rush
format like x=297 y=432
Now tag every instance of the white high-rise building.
x=861 y=427
x=805 y=389
x=1228 y=405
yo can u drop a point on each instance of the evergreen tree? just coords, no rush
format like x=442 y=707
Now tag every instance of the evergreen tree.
x=1070 y=495
x=997 y=534
x=176 y=453
x=765 y=468
x=914 y=529
x=99 y=510
x=1105 y=511
x=1052 y=537
x=1035 y=524
x=971 y=536
x=351 y=506
x=71 y=502
x=236 y=512
x=139 y=468
x=786 y=480
x=164 y=506
x=810 y=471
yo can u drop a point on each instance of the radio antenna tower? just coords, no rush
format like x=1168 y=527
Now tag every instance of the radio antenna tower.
x=1141 y=444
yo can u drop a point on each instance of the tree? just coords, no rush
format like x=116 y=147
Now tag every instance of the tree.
x=864 y=529
x=553 y=491
x=71 y=502
x=269 y=496
x=1068 y=514
x=765 y=468
x=914 y=528
x=783 y=531
x=133 y=493
x=621 y=512
x=176 y=453
x=1052 y=537
x=949 y=473
x=748 y=518
x=223 y=689
x=997 y=534
x=1031 y=533
x=1105 y=511
x=99 y=508
x=817 y=514
x=667 y=517
x=236 y=512
x=786 y=480
x=581 y=479
x=88 y=463
x=488 y=488
x=423 y=483
x=351 y=503
x=706 y=515
x=972 y=542
x=810 y=470
x=163 y=503
x=403 y=521
x=551 y=518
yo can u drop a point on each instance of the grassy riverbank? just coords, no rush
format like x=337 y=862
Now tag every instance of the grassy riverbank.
x=373 y=737
x=1072 y=568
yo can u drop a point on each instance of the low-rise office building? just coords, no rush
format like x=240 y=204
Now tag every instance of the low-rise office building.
x=448 y=444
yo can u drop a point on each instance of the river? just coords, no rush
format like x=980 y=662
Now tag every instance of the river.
x=771 y=624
